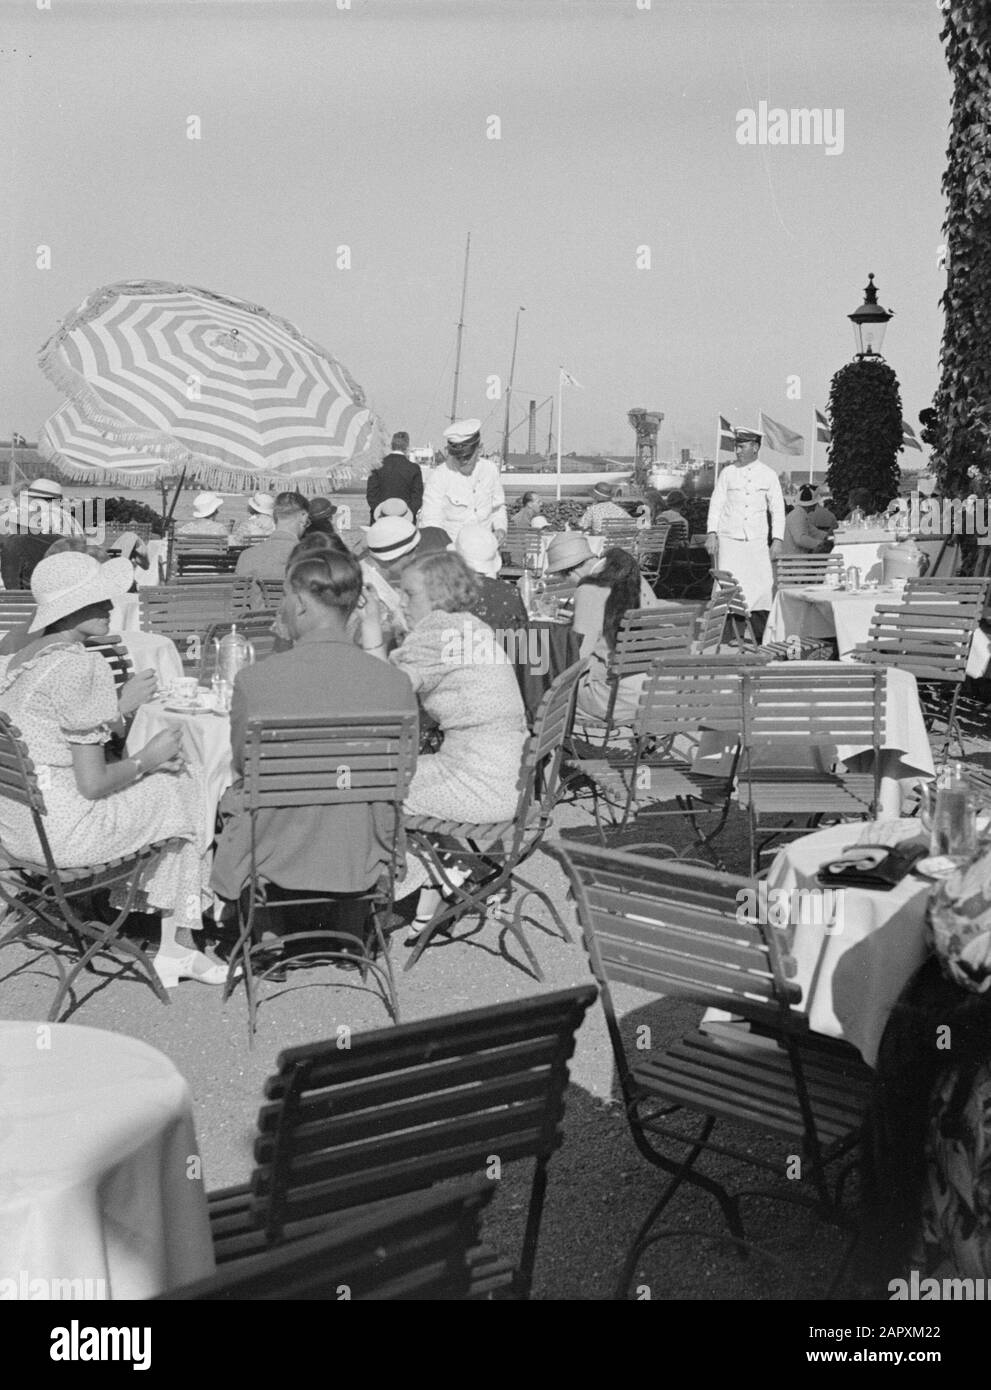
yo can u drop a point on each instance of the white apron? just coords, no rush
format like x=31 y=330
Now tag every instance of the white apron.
x=749 y=562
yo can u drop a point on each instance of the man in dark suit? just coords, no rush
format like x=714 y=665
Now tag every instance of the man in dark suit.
x=396 y=476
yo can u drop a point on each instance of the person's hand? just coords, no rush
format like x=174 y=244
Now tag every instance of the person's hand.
x=775 y=549
x=163 y=753
x=712 y=543
x=137 y=691
x=371 y=620
x=500 y=537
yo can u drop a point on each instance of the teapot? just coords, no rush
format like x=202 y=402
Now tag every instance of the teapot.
x=232 y=652
x=902 y=559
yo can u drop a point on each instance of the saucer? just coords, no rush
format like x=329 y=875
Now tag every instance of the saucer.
x=936 y=867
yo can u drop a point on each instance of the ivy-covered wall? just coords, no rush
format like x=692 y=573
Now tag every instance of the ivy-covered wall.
x=961 y=432
x=865 y=416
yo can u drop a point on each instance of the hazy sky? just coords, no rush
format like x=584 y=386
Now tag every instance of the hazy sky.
x=367 y=127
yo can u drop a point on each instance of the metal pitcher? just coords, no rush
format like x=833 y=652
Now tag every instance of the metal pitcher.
x=853 y=578
x=232 y=652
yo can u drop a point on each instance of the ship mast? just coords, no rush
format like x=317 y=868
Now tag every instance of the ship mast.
x=461 y=329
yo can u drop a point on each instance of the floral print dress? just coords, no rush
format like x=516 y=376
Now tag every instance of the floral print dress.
x=65 y=696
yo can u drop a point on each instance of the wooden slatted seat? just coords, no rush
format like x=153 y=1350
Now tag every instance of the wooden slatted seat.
x=794 y=571
x=47 y=902
x=794 y=716
x=932 y=641
x=413 y=1248
x=403 y=1109
x=295 y=762
x=493 y=854
x=682 y=932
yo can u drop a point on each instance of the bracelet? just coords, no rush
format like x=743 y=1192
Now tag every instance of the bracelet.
x=139 y=765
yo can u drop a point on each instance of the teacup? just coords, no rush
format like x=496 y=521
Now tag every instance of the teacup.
x=185 y=690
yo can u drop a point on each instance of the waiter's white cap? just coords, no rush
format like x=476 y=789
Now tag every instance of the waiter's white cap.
x=462 y=430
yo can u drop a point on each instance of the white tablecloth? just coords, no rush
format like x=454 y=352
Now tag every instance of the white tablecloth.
x=815 y=611
x=852 y=968
x=126 y=614
x=150 y=650
x=863 y=550
x=206 y=741
x=157 y=555
x=97 y=1182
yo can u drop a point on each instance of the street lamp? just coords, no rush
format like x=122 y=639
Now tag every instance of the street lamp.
x=509 y=389
x=869 y=322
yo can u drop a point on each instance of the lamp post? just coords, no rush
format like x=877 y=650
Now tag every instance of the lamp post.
x=509 y=389
x=869 y=322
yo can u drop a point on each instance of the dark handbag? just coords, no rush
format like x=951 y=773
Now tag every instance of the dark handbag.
x=881 y=876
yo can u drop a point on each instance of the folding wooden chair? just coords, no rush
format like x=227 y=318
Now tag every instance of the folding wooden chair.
x=684 y=698
x=251 y=595
x=289 y=763
x=932 y=641
x=200 y=555
x=726 y=589
x=619 y=534
x=402 y=1109
x=523 y=548
x=16 y=607
x=257 y=627
x=113 y=651
x=47 y=901
x=795 y=571
x=185 y=613
x=968 y=593
x=415 y=1248
x=794 y=716
x=493 y=854
x=645 y=634
x=681 y=932
x=650 y=546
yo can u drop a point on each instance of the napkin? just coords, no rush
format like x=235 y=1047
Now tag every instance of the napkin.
x=878 y=867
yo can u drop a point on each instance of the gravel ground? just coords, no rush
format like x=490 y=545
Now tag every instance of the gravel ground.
x=600 y=1188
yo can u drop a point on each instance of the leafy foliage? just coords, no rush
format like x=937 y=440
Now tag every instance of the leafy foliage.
x=962 y=430
x=123 y=509
x=865 y=415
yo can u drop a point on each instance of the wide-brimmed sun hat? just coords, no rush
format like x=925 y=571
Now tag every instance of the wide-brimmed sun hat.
x=263 y=503
x=44 y=487
x=68 y=582
x=391 y=538
x=566 y=551
x=205 y=504
x=478 y=547
x=392 y=506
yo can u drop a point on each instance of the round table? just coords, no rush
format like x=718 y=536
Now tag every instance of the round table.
x=206 y=739
x=852 y=967
x=99 y=1169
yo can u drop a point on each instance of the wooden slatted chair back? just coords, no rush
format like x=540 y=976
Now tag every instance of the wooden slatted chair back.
x=792 y=707
x=257 y=627
x=675 y=930
x=113 y=529
x=414 y=1248
x=931 y=640
x=712 y=626
x=728 y=588
x=117 y=657
x=969 y=592
x=651 y=540
x=406 y=1107
x=18 y=778
x=801 y=570
x=328 y=762
x=543 y=753
x=16 y=606
x=200 y=545
x=619 y=534
x=249 y=594
x=688 y=694
x=648 y=633
x=183 y=611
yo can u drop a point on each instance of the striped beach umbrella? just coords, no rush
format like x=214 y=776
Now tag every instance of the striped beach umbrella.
x=233 y=394
x=83 y=452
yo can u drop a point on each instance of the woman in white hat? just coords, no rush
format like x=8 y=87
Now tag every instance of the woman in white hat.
x=260 y=521
x=498 y=602
x=206 y=505
x=466 y=488
x=62 y=699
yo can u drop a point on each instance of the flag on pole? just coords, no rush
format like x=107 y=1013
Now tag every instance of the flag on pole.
x=824 y=435
x=725 y=438
x=909 y=439
x=779 y=438
x=569 y=380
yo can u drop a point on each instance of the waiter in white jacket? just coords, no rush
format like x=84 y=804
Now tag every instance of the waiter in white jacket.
x=746 y=497
x=466 y=488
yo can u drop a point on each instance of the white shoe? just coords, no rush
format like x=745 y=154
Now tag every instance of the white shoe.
x=192 y=966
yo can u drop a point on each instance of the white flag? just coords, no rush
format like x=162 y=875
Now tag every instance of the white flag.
x=569 y=380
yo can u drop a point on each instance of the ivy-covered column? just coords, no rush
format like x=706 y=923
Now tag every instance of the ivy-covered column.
x=961 y=431
x=865 y=416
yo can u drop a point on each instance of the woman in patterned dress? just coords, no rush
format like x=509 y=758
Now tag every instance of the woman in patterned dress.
x=466 y=683
x=62 y=699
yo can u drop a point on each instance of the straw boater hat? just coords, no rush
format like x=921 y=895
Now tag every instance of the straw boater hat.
x=479 y=549
x=263 y=503
x=68 y=582
x=392 y=506
x=391 y=538
x=205 y=504
x=566 y=551
x=45 y=487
